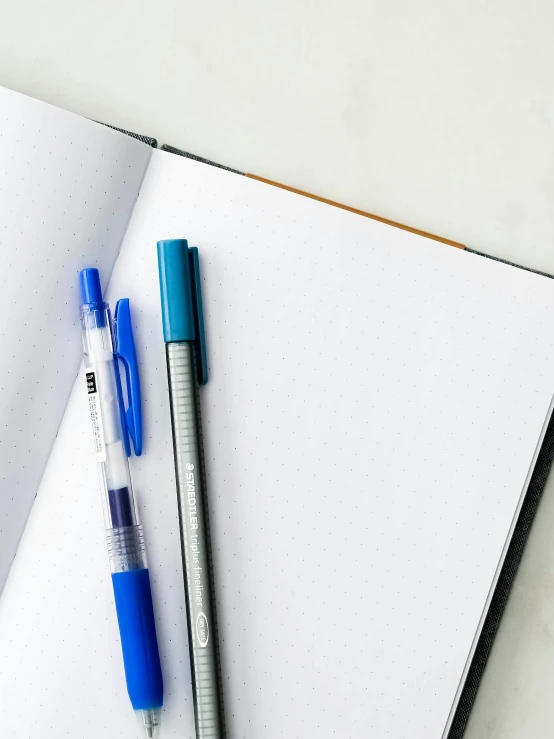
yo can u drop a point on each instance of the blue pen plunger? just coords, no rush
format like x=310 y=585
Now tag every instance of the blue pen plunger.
x=91 y=290
x=91 y=295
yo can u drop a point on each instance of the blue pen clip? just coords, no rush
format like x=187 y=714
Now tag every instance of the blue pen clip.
x=131 y=418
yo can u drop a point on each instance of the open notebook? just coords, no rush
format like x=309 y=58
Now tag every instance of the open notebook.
x=376 y=404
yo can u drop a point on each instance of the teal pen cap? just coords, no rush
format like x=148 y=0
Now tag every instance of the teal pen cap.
x=181 y=298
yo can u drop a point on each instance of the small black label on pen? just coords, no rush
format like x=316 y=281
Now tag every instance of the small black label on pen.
x=91 y=382
x=95 y=411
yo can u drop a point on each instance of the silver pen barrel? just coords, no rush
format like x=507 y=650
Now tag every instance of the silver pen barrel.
x=187 y=365
x=194 y=539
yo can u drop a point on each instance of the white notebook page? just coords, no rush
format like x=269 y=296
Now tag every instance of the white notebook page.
x=374 y=406
x=67 y=190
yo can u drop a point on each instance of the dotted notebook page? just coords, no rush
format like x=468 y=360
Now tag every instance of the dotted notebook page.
x=67 y=189
x=374 y=406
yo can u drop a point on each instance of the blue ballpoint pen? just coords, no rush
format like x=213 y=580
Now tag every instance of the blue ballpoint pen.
x=114 y=428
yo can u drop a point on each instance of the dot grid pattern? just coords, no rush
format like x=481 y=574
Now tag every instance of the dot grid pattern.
x=374 y=404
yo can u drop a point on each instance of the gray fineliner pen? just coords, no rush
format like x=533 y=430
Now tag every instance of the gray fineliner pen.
x=183 y=329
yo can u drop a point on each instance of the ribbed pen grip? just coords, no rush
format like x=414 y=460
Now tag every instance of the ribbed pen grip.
x=126 y=548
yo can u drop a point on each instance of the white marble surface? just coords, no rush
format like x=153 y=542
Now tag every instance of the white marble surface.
x=439 y=115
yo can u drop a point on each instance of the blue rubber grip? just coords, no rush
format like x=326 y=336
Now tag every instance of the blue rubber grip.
x=135 y=614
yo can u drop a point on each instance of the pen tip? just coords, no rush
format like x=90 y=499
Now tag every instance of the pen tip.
x=149 y=720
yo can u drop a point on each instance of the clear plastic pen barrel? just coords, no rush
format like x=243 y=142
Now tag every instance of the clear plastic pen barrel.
x=123 y=530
